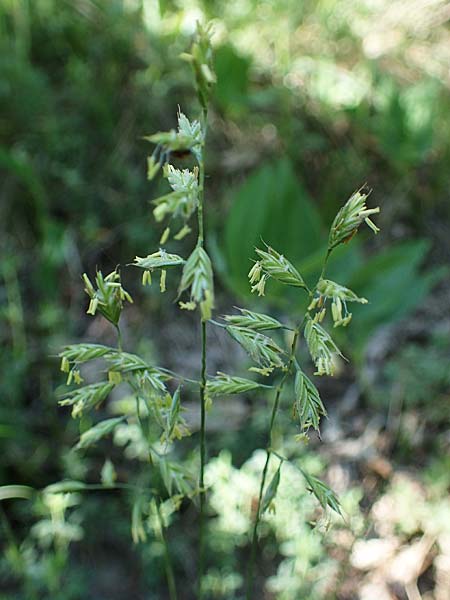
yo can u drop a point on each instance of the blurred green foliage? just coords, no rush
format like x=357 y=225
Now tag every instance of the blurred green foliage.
x=347 y=92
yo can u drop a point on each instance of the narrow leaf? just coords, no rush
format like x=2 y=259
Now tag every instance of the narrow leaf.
x=65 y=487
x=94 y=434
x=271 y=491
x=174 y=412
x=8 y=492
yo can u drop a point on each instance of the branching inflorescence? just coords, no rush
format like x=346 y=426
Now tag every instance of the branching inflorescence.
x=157 y=392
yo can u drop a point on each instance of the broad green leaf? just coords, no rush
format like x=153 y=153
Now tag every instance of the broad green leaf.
x=232 y=79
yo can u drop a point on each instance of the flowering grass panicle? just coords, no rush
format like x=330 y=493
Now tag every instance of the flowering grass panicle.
x=156 y=409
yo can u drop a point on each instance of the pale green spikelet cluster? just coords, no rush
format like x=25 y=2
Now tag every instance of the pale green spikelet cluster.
x=153 y=406
x=308 y=406
x=273 y=264
x=262 y=349
x=339 y=296
x=87 y=397
x=187 y=138
x=183 y=200
x=160 y=260
x=149 y=417
x=223 y=384
x=201 y=59
x=109 y=296
x=253 y=320
x=349 y=218
x=321 y=347
x=198 y=277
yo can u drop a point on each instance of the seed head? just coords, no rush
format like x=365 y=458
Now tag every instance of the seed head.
x=349 y=218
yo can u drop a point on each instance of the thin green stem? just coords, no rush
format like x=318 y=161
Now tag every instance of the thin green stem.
x=273 y=416
x=167 y=561
x=201 y=227
x=324 y=266
x=202 y=462
x=119 y=338
x=202 y=492
x=179 y=377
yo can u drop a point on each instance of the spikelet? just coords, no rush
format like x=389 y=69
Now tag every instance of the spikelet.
x=349 y=218
x=198 y=277
x=273 y=264
x=321 y=347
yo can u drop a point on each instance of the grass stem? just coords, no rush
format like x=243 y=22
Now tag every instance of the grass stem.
x=202 y=492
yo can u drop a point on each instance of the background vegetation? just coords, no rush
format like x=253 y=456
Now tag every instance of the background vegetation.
x=313 y=99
